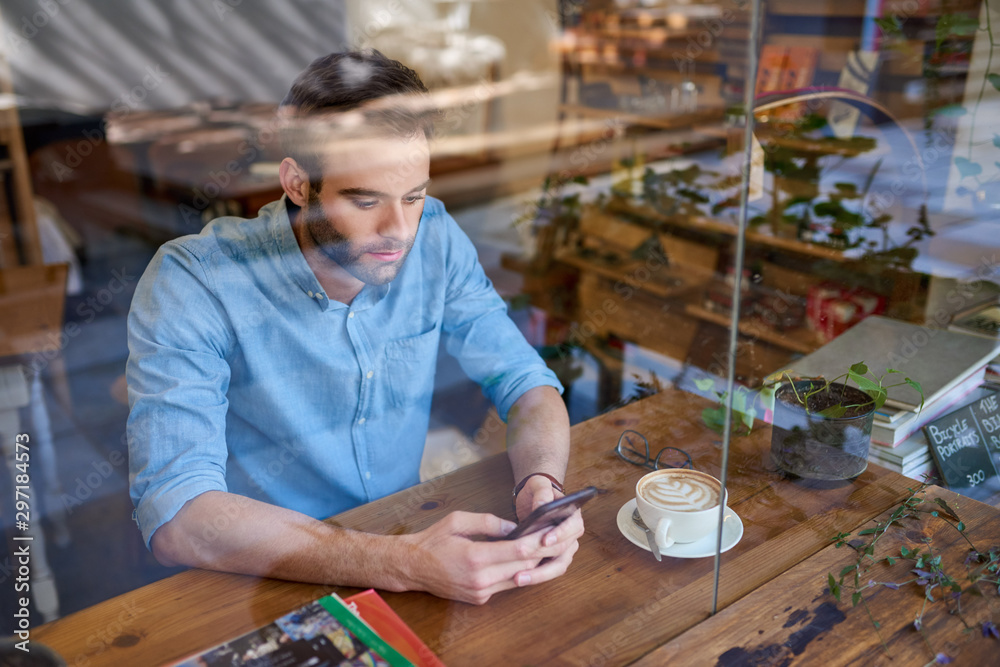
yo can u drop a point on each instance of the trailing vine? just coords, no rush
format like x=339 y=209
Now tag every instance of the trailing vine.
x=927 y=572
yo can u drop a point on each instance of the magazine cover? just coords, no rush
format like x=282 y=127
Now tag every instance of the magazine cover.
x=324 y=633
x=372 y=609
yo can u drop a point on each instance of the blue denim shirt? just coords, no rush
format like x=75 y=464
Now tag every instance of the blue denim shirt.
x=244 y=377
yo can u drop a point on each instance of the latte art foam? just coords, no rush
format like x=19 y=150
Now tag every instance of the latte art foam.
x=684 y=493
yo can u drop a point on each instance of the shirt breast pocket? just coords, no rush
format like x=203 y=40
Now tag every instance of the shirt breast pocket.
x=410 y=363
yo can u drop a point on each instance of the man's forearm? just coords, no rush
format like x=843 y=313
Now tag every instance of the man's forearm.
x=449 y=559
x=231 y=533
x=538 y=434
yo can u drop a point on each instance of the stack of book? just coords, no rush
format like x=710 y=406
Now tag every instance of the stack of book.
x=912 y=457
x=948 y=365
x=361 y=630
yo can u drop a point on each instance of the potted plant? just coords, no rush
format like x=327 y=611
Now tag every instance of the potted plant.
x=552 y=217
x=822 y=428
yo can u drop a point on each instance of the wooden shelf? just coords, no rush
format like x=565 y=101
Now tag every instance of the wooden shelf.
x=722 y=227
x=673 y=121
x=841 y=147
x=679 y=280
x=800 y=340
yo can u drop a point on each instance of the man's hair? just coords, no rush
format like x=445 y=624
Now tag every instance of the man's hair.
x=391 y=99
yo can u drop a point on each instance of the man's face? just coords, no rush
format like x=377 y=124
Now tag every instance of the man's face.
x=365 y=216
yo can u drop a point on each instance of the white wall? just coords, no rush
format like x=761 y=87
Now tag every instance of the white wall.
x=84 y=56
x=526 y=28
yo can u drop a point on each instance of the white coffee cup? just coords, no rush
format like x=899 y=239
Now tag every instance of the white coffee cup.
x=679 y=505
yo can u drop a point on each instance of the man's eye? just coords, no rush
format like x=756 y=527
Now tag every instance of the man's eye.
x=365 y=203
x=413 y=199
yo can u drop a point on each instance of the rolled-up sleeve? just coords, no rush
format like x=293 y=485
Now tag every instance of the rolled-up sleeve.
x=479 y=333
x=177 y=376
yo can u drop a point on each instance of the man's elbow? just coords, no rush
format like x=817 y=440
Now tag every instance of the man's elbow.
x=176 y=542
x=169 y=545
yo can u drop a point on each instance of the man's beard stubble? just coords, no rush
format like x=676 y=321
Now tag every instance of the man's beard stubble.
x=340 y=249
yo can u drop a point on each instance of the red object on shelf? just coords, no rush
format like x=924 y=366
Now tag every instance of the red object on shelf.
x=832 y=309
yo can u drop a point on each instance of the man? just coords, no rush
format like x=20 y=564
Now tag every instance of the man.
x=281 y=368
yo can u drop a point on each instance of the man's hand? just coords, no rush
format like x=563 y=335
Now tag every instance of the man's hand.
x=446 y=560
x=537 y=491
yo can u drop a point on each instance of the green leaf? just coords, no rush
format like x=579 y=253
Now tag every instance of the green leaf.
x=890 y=560
x=941 y=30
x=847 y=570
x=961 y=527
x=714 y=418
x=967 y=167
x=704 y=384
x=830 y=209
x=867 y=531
x=947 y=508
x=890 y=25
x=833 y=412
x=916 y=385
x=855 y=599
x=994 y=79
x=953 y=25
x=798 y=200
x=859 y=368
x=834 y=586
x=952 y=111
x=963 y=25
x=866 y=385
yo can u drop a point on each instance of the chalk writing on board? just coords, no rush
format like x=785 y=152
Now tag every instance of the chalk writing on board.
x=965 y=444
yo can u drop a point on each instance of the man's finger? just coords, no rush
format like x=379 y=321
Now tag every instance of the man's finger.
x=570 y=529
x=547 y=570
x=472 y=524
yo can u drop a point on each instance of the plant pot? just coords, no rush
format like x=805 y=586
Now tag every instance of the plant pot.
x=808 y=445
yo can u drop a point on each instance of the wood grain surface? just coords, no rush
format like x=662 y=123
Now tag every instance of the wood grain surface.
x=795 y=620
x=613 y=606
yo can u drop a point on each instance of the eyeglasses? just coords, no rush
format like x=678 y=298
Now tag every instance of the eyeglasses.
x=633 y=448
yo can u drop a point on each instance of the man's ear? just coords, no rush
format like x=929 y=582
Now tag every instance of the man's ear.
x=294 y=181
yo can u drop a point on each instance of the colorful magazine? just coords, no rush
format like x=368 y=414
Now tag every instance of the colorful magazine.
x=324 y=633
x=372 y=609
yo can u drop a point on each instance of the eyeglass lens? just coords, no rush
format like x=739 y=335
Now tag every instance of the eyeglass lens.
x=633 y=448
x=671 y=457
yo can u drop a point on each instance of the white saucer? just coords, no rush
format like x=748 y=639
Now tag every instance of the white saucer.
x=732 y=532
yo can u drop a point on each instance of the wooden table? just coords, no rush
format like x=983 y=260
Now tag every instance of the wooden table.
x=616 y=604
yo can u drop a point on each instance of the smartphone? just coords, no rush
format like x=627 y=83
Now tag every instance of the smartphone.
x=554 y=513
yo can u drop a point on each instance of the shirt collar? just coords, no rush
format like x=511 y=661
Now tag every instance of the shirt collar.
x=298 y=269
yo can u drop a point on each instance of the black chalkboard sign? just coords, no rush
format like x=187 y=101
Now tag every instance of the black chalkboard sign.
x=966 y=447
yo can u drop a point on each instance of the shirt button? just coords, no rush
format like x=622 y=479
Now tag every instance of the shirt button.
x=370 y=373
x=361 y=421
x=368 y=475
x=319 y=296
x=350 y=315
x=310 y=294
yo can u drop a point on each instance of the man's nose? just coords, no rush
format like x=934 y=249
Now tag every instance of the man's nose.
x=394 y=223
